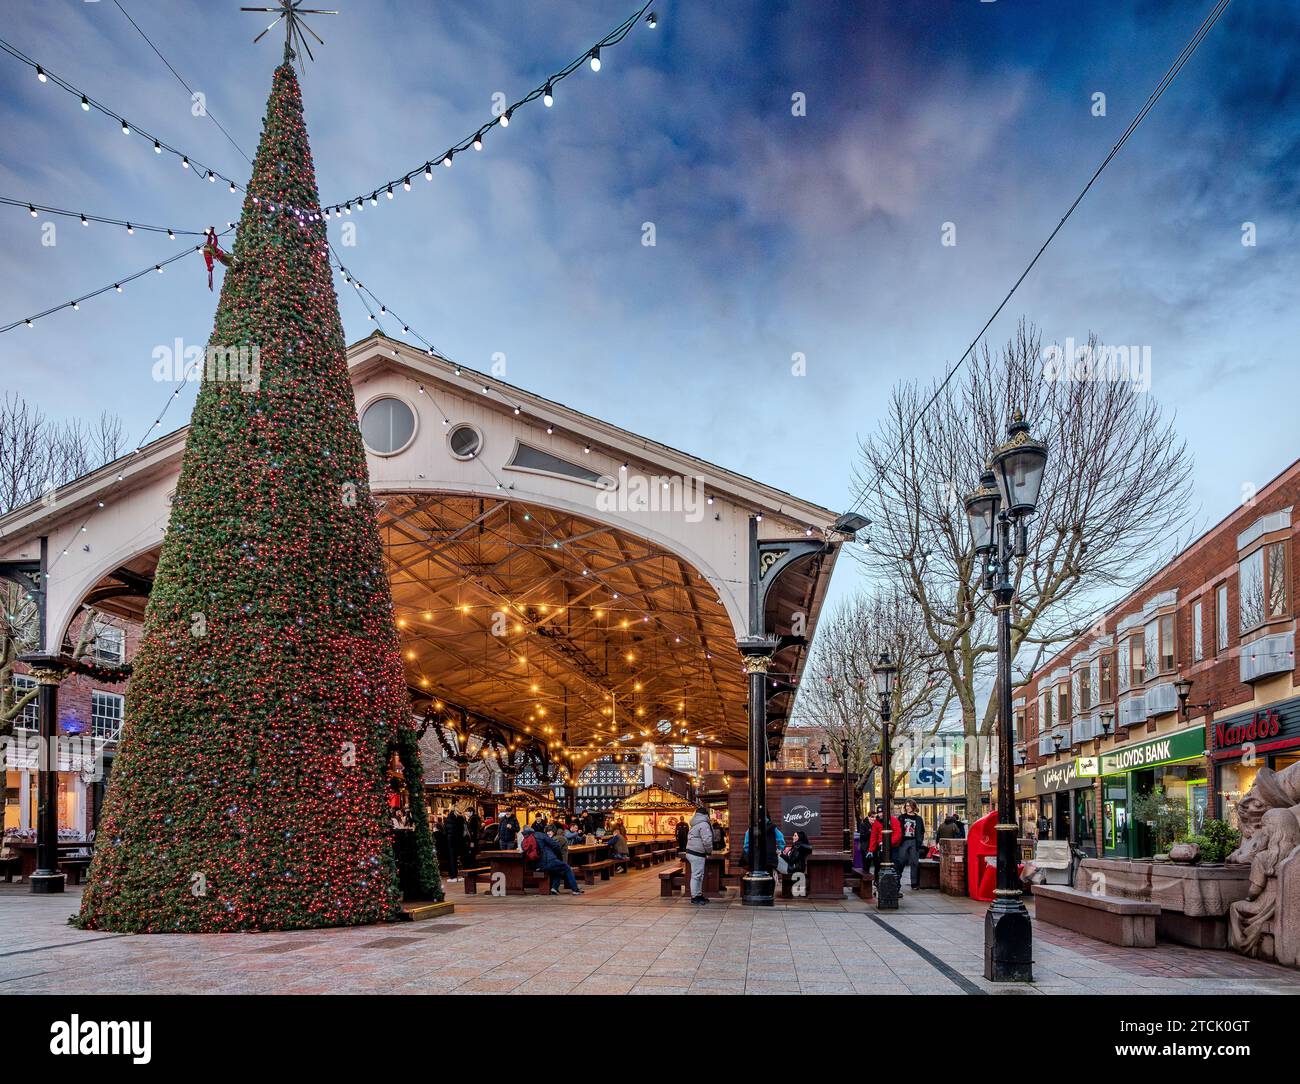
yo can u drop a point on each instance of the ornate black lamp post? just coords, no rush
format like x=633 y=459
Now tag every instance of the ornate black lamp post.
x=886 y=877
x=1007 y=496
x=48 y=671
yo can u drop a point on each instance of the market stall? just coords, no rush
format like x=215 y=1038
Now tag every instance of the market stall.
x=652 y=812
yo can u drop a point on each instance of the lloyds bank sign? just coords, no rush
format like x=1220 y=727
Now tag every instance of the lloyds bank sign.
x=1147 y=754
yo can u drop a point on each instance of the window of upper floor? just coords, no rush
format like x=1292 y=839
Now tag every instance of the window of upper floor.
x=1262 y=594
x=1158 y=645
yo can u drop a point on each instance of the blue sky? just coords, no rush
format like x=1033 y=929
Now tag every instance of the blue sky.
x=775 y=234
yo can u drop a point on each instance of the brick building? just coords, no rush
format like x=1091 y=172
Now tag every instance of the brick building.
x=1186 y=687
x=91 y=714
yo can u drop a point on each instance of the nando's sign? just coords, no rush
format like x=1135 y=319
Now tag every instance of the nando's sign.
x=1264 y=726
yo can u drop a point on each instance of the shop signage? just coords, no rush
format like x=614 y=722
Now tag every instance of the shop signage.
x=1067 y=776
x=932 y=768
x=1088 y=766
x=1132 y=758
x=801 y=813
x=1279 y=721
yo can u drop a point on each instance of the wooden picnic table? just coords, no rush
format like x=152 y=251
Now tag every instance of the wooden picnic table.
x=510 y=864
x=583 y=854
x=825 y=873
x=67 y=848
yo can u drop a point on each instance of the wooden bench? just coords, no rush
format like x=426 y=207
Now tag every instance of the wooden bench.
x=642 y=861
x=671 y=880
x=590 y=870
x=11 y=865
x=1114 y=919
x=74 y=867
x=862 y=884
x=473 y=876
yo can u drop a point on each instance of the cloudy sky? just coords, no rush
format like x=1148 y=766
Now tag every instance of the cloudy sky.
x=776 y=234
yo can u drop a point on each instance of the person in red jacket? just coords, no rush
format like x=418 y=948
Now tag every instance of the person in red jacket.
x=878 y=834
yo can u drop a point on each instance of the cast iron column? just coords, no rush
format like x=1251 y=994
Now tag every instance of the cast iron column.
x=48 y=672
x=1008 y=939
x=886 y=876
x=758 y=886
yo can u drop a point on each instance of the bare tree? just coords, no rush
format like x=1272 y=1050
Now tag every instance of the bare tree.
x=1113 y=500
x=37 y=456
x=838 y=691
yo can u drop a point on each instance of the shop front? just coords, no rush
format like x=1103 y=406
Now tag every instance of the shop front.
x=1067 y=803
x=1170 y=771
x=1027 y=805
x=1242 y=744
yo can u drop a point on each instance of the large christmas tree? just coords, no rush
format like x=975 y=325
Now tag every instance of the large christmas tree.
x=267 y=696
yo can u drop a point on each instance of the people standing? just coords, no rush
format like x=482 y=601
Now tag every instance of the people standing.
x=508 y=837
x=697 y=847
x=682 y=831
x=775 y=840
x=455 y=826
x=440 y=843
x=474 y=830
x=909 y=851
x=949 y=829
x=719 y=836
x=878 y=835
x=864 y=842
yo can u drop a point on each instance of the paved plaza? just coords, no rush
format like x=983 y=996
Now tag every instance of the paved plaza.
x=619 y=937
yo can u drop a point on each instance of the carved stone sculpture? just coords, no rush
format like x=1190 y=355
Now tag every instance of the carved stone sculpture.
x=1269 y=816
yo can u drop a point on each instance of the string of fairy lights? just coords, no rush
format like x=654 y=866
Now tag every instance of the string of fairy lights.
x=38 y=209
x=115 y=286
x=544 y=91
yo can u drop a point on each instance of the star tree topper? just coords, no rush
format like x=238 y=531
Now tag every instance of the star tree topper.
x=292 y=12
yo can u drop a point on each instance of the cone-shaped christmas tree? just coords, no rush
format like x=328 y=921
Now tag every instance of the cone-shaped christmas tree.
x=250 y=788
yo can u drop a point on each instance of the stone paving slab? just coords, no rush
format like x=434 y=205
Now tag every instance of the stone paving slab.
x=618 y=938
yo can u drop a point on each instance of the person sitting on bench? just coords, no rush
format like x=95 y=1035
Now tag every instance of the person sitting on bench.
x=618 y=846
x=551 y=862
x=794 y=856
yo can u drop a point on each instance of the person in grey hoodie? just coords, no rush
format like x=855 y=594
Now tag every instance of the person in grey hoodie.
x=699 y=844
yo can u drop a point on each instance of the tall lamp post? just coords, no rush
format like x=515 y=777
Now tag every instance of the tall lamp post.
x=886 y=877
x=998 y=512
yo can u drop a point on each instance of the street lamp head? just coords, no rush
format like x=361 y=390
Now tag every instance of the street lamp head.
x=982 y=511
x=1107 y=718
x=1183 y=687
x=884 y=671
x=850 y=523
x=1018 y=466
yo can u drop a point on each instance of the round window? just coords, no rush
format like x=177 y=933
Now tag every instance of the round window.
x=387 y=426
x=464 y=441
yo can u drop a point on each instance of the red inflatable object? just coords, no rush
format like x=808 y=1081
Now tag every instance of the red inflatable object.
x=982 y=844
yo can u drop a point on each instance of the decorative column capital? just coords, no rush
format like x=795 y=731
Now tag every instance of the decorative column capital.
x=757 y=652
x=45 y=669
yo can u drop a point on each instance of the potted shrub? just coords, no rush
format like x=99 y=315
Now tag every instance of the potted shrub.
x=1220 y=839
